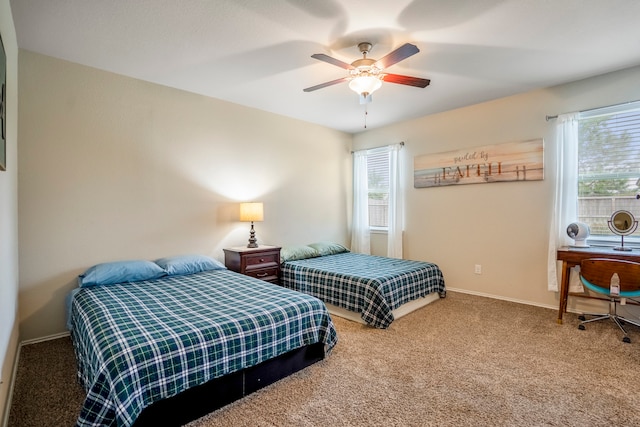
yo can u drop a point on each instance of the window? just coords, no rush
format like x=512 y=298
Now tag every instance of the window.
x=608 y=168
x=378 y=181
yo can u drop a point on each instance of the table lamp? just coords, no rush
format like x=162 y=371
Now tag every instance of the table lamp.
x=250 y=212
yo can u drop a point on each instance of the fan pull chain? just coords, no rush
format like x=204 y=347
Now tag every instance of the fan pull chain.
x=366 y=113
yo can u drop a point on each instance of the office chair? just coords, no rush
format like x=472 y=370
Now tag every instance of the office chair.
x=597 y=274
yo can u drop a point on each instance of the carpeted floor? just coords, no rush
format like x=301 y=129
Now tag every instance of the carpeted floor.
x=461 y=361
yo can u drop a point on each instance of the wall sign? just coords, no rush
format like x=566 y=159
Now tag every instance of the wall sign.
x=512 y=161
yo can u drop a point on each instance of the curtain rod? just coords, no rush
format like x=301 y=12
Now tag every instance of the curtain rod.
x=547 y=118
x=382 y=146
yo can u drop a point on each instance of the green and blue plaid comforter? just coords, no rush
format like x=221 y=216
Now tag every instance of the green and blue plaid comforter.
x=367 y=284
x=137 y=343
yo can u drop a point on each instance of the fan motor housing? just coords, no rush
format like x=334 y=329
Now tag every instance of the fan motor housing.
x=364 y=62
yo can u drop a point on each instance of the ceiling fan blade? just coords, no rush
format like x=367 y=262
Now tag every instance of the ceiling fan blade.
x=406 y=80
x=321 y=85
x=333 y=61
x=403 y=52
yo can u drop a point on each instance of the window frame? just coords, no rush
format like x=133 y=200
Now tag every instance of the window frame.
x=611 y=240
x=378 y=154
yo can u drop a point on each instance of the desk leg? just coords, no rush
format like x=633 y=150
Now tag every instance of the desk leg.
x=564 y=291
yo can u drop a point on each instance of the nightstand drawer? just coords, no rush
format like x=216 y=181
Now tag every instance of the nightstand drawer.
x=264 y=273
x=262 y=260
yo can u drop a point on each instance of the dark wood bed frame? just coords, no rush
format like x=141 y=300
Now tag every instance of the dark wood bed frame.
x=198 y=401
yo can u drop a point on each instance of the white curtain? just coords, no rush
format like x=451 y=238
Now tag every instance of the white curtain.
x=396 y=204
x=360 y=235
x=565 y=202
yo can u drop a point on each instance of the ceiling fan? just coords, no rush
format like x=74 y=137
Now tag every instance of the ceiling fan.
x=366 y=75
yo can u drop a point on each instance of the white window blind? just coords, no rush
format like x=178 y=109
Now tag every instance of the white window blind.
x=378 y=181
x=608 y=167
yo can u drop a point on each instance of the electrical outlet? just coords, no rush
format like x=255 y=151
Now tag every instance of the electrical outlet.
x=478 y=269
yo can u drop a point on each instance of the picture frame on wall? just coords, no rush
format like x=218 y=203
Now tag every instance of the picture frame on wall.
x=504 y=162
x=3 y=107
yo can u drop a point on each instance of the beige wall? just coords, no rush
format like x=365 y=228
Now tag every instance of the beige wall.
x=502 y=226
x=114 y=168
x=9 y=213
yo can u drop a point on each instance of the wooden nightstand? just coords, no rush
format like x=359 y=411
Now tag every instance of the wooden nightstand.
x=262 y=262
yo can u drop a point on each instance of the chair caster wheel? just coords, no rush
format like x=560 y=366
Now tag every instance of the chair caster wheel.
x=626 y=339
x=582 y=318
x=581 y=327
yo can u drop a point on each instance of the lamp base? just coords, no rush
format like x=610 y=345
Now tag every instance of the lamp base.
x=253 y=242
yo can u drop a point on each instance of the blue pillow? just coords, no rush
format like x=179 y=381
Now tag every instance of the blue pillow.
x=188 y=264
x=109 y=273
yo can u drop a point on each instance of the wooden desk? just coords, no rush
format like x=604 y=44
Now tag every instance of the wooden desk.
x=571 y=257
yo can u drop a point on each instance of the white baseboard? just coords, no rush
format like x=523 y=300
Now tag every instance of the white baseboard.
x=47 y=338
x=519 y=301
x=15 y=369
x=12 y=383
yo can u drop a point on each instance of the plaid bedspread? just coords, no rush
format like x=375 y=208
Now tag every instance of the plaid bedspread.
x=137 y=343
x=367 y=284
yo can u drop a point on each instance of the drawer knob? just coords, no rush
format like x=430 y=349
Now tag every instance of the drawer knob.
x=261 y=259
x=262 y=274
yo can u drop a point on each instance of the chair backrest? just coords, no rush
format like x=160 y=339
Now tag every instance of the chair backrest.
x=599 y=271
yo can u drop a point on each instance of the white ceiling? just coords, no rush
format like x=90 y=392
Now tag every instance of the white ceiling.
x=258 y=52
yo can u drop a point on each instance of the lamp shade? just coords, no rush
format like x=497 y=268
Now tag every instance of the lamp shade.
x=251 y=211
x=365 y=84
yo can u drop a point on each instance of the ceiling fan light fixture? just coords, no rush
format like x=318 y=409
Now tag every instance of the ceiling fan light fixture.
x=365 y=75
x=365 y=84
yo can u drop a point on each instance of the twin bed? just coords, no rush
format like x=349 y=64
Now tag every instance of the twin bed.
x=165 y=342
x=371 y=289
